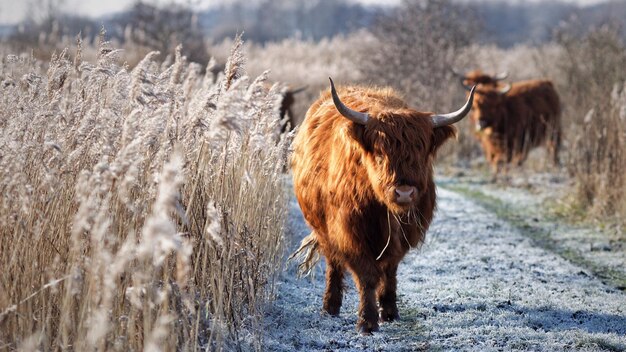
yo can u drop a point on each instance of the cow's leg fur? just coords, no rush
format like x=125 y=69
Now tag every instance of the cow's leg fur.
x=334 y=287
x=387 y=294
x=554 y=144
x=366 y=282
x=496 y=167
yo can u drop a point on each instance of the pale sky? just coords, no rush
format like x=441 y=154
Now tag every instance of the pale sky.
x=13 y=11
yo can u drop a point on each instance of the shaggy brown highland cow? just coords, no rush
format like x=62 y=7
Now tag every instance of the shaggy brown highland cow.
x=363 y=176
x=511 y=120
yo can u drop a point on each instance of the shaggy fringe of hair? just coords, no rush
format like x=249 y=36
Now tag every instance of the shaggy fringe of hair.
x=307 y=255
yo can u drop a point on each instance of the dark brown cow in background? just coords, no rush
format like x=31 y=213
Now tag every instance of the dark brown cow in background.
x=512 y=119
x=288 y=120
x=363 y=176
x=286 y=108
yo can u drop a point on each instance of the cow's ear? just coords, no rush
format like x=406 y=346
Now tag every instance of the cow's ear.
x=440 y=135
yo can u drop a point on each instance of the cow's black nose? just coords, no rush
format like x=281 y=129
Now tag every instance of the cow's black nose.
x=404 y=194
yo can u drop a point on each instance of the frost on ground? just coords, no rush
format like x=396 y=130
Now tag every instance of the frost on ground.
x=535 y=200
x=476 y=284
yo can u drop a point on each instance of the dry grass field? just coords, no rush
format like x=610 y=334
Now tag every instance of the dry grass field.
x=142 y=208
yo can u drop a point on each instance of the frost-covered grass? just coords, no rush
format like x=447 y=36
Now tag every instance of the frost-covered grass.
x=477 y=284
x=140 y=209
x=533 y=205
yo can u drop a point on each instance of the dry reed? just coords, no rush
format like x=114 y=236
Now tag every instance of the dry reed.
x=139 y=209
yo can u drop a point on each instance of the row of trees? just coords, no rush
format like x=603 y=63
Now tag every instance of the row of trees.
x=164 y=27
x=146 y=26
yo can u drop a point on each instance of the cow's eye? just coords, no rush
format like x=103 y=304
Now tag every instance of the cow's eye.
x=379 y=159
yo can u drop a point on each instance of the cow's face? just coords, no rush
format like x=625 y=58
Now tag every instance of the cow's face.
x=398 y=150
x=487 y=111
x=477 y=77
x=483 y=119
x=397 y=147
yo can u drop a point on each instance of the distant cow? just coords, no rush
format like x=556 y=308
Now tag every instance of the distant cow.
x=286 y=108
x=511 y=120
x=363 y=176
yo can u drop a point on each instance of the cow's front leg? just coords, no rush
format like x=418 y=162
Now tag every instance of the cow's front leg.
x=498 y=167
x=366 y=281
x=334 y=287
x=387 y=294
x=554 y=144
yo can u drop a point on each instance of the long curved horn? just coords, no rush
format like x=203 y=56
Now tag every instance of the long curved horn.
x=505 y=89
x=502 y=75
x=448 y=119
x=298 y=90
x=354 y=116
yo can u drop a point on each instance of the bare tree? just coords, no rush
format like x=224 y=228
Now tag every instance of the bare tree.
x=272 y=20
x=164 y=28
x=46 y=26
x=415 y=48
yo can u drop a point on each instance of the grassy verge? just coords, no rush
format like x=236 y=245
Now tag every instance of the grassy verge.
x=529 y=225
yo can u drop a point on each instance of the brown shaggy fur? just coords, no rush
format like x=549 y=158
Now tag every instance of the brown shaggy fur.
x=510 y=125
x=343 y=173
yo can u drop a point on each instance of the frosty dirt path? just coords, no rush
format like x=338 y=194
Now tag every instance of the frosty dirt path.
x=476 y=284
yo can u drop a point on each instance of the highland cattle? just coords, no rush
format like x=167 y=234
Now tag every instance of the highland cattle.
x=363 y=176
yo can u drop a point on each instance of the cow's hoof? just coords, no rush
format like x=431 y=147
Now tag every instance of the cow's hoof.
x=333 y=312
x=367 y=329
x=365 y=332
x=389 y=316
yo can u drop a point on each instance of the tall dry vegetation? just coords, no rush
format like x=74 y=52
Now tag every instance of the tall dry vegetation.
x=594 y=89
x=309 y=64
x=140 y=209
